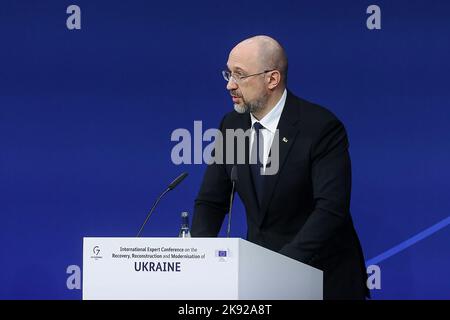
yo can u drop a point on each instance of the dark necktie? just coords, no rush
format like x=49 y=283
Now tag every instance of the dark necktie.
x=256 y=158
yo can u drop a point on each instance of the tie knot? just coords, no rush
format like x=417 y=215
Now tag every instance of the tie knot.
x=257 y=126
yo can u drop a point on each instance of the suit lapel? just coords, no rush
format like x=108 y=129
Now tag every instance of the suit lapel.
x=245 y=180
x=287 y=129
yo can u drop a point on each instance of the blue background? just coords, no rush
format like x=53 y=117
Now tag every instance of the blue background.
x=86 y=118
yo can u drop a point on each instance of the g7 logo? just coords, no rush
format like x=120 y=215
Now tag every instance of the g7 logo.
x=96 y=250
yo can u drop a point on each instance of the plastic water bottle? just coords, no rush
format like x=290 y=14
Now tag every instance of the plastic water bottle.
x=184 y=231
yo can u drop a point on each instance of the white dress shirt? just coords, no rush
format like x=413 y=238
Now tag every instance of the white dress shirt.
x=270 y=123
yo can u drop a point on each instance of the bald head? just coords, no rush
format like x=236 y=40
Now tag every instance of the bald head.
x=257 y=73
x=266 y=53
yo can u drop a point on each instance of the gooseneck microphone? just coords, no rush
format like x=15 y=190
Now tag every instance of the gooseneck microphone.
x=234 y=178
x=177 y=181
x=171 y=186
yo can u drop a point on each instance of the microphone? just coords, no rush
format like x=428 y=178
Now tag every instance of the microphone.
x=177 y=181
x=171 y=186
x=234 y=179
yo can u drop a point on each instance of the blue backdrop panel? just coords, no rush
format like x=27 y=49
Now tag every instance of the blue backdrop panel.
x=86 y=118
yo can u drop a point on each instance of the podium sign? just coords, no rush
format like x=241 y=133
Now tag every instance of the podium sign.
x=193 y=269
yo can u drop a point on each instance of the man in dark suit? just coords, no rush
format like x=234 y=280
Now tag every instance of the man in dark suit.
x=301 y=211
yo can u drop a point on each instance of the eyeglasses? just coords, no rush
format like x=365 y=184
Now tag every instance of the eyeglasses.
x=227 y=75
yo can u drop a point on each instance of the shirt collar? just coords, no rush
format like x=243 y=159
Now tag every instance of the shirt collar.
x=270 y=120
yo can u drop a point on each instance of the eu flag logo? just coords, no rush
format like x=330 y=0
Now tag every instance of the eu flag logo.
x=222 y=253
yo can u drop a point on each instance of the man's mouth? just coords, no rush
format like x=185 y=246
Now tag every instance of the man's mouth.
x=235 y=97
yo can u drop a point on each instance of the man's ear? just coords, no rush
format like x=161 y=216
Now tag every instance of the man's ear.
x=274 y=79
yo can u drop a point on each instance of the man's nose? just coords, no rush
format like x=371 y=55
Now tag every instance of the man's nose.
x=231 y=85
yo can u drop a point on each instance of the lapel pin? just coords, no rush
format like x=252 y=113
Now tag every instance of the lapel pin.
x=284 y=139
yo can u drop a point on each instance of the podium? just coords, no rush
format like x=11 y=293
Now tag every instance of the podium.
x=193 y=269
